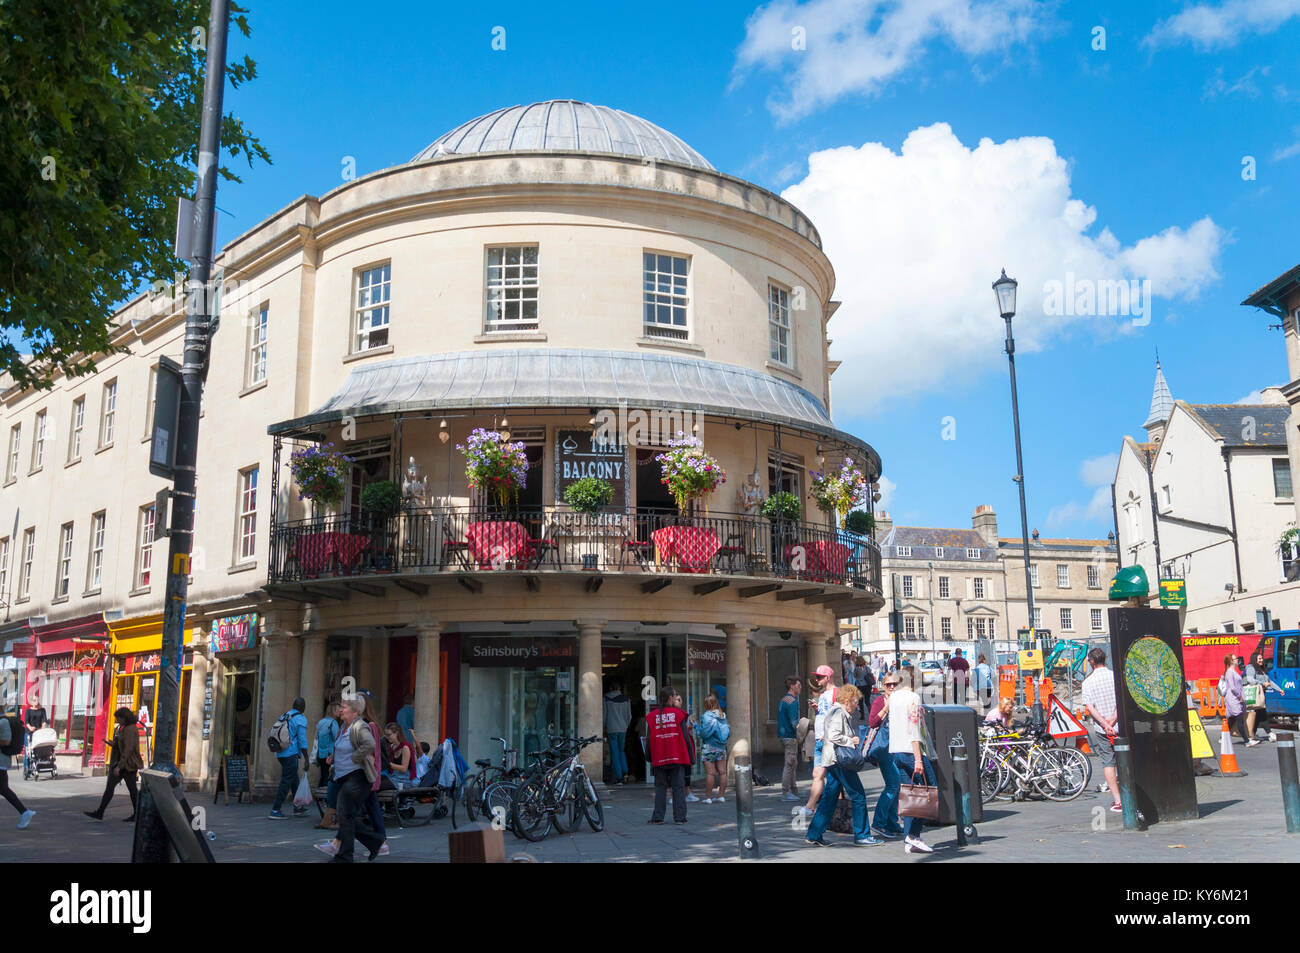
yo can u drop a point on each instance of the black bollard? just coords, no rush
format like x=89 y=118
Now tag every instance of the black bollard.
x=745 y=808
x=1133 y=819
x=1290 y=781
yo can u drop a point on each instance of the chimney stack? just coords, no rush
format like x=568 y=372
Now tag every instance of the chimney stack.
x=985 y=522
x=884 y=524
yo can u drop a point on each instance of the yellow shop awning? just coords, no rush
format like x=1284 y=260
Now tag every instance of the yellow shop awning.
x=140 y=634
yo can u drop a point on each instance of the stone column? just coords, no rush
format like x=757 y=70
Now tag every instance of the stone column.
x=275 y=702
x=590 y=703
x=373 y=675
x=196 y=749
x=312 y=681
x=428 y=689
x=738 y=701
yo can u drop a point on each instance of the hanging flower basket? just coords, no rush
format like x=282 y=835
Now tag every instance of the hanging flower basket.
x=321 y=473
x=689 y=472
x=839 y=491
x=494 y=466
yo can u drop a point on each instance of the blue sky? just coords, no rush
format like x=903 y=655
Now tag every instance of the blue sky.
x=1117 y=163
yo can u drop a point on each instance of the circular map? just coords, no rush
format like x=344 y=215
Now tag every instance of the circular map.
x=1153 y=675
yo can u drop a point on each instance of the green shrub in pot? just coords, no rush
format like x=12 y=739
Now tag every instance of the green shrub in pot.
x=588 y=494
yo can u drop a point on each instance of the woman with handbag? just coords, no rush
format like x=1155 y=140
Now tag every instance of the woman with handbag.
x=1257 y=683
x=917 y=801
x=354 y=771
x=884 y=822
x=1234 y=701
x=124 y=763
x=842 y=758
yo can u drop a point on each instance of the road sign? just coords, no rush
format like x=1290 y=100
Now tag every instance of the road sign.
x=1173 y=593
x=1031 y=660
x=1061 y=722
x=1200 y=744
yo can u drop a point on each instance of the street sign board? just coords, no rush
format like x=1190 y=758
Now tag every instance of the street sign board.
x=1173 y=593
x=1031 y=660
x=166 y=419
x=1061 y=722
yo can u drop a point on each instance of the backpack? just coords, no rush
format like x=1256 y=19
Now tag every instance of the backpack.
x=16 y=732
x=281 y=737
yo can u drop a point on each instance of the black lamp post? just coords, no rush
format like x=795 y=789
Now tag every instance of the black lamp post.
x=1005 y=288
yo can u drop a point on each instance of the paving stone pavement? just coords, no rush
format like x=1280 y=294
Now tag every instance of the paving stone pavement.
x=1241 y=820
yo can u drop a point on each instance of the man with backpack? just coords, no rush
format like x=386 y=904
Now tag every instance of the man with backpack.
x=11 y=743
x=288 y=739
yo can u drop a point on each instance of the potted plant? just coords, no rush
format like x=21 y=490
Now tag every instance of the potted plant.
x=382 y=500
x=494 y=466
x=860 y=522
x=689 y=472
x=588 y=495
x=838 y=492
x=321 y=473
x=782 y=505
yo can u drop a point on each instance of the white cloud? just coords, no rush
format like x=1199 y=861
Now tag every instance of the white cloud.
x=1254 y=397
x=1099 y=471
x=857 y=46
x=917 y=237
x=1287 y=153
x=887 y=488
x=1214 y=27
x=1096 y=472
x=1244 y=85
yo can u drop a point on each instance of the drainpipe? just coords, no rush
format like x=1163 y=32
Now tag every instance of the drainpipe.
x=1232 y=512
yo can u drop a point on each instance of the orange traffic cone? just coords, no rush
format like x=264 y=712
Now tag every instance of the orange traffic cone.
x=1227 y=760
x=1082 y=740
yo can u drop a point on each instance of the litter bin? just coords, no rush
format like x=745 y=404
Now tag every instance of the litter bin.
x=945 y=722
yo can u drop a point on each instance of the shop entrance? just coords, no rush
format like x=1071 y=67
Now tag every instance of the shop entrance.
x=240 y=693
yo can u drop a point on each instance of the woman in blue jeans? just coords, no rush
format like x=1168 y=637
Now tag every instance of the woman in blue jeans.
x=907 y=749
x=885 y=821
x=839 y=733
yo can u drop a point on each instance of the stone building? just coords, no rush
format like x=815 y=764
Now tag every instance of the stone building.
x=568 y=274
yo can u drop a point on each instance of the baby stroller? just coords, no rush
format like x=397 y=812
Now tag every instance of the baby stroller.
x=40 y=754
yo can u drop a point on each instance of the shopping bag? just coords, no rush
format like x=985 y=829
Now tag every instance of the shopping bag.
x=303 y=797
x=918 y=800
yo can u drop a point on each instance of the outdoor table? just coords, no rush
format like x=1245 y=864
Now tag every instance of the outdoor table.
x=692 y=548
x=824 y=560
x=317 y=551
x=492 y=543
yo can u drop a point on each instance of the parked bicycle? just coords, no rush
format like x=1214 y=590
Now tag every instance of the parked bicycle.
x=1013 y=766
x=479 y=786
x=560 y=797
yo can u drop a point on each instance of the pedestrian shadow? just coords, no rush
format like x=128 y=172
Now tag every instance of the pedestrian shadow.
x=1213 y=807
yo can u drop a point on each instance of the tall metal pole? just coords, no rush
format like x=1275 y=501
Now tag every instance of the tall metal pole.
x=151 y=842
x=1020 y=472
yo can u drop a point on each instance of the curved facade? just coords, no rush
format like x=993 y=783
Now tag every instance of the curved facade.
x=570 y=274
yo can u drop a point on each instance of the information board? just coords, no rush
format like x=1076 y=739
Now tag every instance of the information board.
x=233 y=779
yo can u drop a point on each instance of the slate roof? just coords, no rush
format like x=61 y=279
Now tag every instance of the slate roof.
x=1233 y=422
x=1162 y=401
x=1057 y=545
x=925 y=540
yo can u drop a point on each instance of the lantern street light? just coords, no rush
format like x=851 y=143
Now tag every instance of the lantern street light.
x=1005 y=288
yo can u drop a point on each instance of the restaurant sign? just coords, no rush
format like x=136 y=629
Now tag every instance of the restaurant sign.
x=583 y=453
x=234 y=632
x=520 y=651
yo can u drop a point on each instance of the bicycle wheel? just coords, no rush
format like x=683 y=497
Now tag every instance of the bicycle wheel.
x=495 y=807
x=567 y=795
x=993 y=777
x=592 y=807
x=529 y=813
x=1058 y=774
x=475 y=787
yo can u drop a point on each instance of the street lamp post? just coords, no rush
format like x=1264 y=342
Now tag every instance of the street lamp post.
x=1005 y=288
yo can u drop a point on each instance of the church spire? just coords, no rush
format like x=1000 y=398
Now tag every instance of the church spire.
x=1162 y=405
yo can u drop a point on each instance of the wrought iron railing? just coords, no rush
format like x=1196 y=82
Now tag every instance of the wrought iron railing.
x=423 y=540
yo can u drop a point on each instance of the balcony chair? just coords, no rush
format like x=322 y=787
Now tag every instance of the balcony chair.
x=452 y=548
x=732 y=550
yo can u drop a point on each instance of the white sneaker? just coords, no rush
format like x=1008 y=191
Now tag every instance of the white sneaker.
x=25 y=819
x=789 y=798
x=1272 y=736
x=691 y=799
x=719 y=800
x=1251 y=743
x=801 y=810
x=707 y=800
x=911 y=844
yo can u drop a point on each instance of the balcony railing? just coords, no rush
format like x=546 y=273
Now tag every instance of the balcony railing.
x=430 y=540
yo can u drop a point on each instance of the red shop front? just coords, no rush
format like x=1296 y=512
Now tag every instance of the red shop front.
x=68 y=678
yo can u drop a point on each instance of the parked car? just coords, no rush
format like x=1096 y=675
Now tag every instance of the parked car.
x=931 y=672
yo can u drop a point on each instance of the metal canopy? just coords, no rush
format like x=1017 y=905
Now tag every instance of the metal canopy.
x=573 y=377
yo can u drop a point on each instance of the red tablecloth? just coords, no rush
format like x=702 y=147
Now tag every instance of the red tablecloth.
x=824 y=560
x=316 y=551
x=491 y=543
x=691 y=547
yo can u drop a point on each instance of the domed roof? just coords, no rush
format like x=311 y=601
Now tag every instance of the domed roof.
x=563 y=125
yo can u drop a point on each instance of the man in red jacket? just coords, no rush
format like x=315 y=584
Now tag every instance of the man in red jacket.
x=672 y=752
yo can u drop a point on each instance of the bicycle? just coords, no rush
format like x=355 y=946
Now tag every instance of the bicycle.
x=560 y=797
x=478 y=784
x=498 y=794
x=1059 y=774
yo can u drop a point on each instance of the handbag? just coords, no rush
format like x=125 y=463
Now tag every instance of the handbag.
x=918 y=800
x=1254 y=696
x=849 y=758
